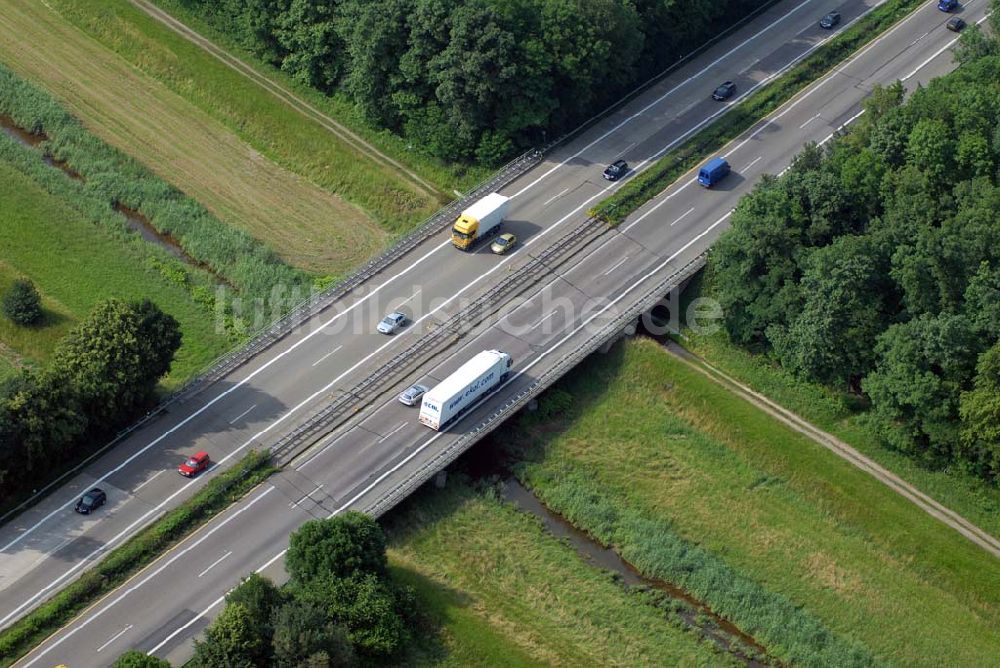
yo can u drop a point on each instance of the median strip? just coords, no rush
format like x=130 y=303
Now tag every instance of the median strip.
x=741 y=117
x=132 y=556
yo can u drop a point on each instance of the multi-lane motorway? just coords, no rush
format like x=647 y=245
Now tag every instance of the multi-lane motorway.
x=571 y=299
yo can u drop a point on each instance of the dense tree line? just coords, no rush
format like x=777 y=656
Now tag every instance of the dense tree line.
x=339 y=608
x=473 y=79
x=100 y=378
x=873 y=264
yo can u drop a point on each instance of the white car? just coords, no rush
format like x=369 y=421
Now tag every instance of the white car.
x=391 y=323
x=411 y=395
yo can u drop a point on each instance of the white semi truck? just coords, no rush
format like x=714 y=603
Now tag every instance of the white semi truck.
x=477 y=377
x=479 y=221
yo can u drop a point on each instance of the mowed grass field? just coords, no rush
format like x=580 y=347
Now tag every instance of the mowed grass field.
x=659 y=439
x=74 y=264
x=211 y=133
x=499 y=590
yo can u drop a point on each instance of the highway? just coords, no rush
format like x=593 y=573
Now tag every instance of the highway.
x=581 y=288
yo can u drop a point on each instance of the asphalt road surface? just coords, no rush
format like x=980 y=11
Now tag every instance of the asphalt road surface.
x=165 y=606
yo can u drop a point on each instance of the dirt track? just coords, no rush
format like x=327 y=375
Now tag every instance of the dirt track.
x=842 y=449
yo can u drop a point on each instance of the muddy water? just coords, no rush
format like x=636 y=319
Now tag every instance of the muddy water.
x=723 y=633
x=138 y=223
x=12 y=130
x=134 y=220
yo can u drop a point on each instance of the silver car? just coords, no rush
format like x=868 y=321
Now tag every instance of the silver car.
x=411 y=395
x=391 y=323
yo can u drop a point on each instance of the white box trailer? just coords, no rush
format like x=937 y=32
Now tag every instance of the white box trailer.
x=477 y=377
x=479 y=221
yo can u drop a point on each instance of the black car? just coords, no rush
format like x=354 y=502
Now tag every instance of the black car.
x=830 y=20
x=725 y=91
x=955 y=24
x=91 y=501
x=616 y=170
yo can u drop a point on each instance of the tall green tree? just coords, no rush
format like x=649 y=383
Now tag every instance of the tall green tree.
x=230 y=641
x=303 y=635
x=307 y=34
x=22 y=303
x=980 y=413
x=374 y=34
x=115 y=357
x=261 y=600
x=341 y=546
x=923 y=366
x=830 y=339
x=754 y=265
x=136 y=659
x=373 y=611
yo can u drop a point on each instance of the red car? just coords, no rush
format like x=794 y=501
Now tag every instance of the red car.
x=194 y=465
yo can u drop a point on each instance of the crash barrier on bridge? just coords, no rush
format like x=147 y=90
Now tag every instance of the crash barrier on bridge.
x=451 y=329
x=386 y=501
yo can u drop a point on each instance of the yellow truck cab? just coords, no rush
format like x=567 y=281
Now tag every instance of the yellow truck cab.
x=480 y=220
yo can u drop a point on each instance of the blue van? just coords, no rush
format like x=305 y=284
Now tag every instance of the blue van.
x=714 y=171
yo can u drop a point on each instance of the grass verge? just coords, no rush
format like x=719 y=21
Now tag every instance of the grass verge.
x=140 y=550
x=741 y=117
x=498 y=590
x=77 y=251
x=695 y=486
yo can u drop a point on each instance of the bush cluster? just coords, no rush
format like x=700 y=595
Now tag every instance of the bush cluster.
x=22 y=303
x=473 y=79
x=102 y=376
x=340 y=607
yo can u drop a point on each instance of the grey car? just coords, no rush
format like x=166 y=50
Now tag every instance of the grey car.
x=391 y=323
x=411 y=395
x=830 y=20
x=724 y=91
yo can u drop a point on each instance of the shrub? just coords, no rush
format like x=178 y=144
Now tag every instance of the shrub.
x=22 y=304
x=136 y=659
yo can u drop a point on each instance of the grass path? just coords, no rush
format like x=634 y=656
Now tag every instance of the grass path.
x=845 y=451
x=308 y=226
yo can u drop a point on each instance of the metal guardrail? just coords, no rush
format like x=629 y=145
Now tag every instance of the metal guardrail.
x=453 y=328
x=428 y=469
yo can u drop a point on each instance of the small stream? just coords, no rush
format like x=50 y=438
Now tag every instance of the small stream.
x=694 y=613
x=134 y=220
